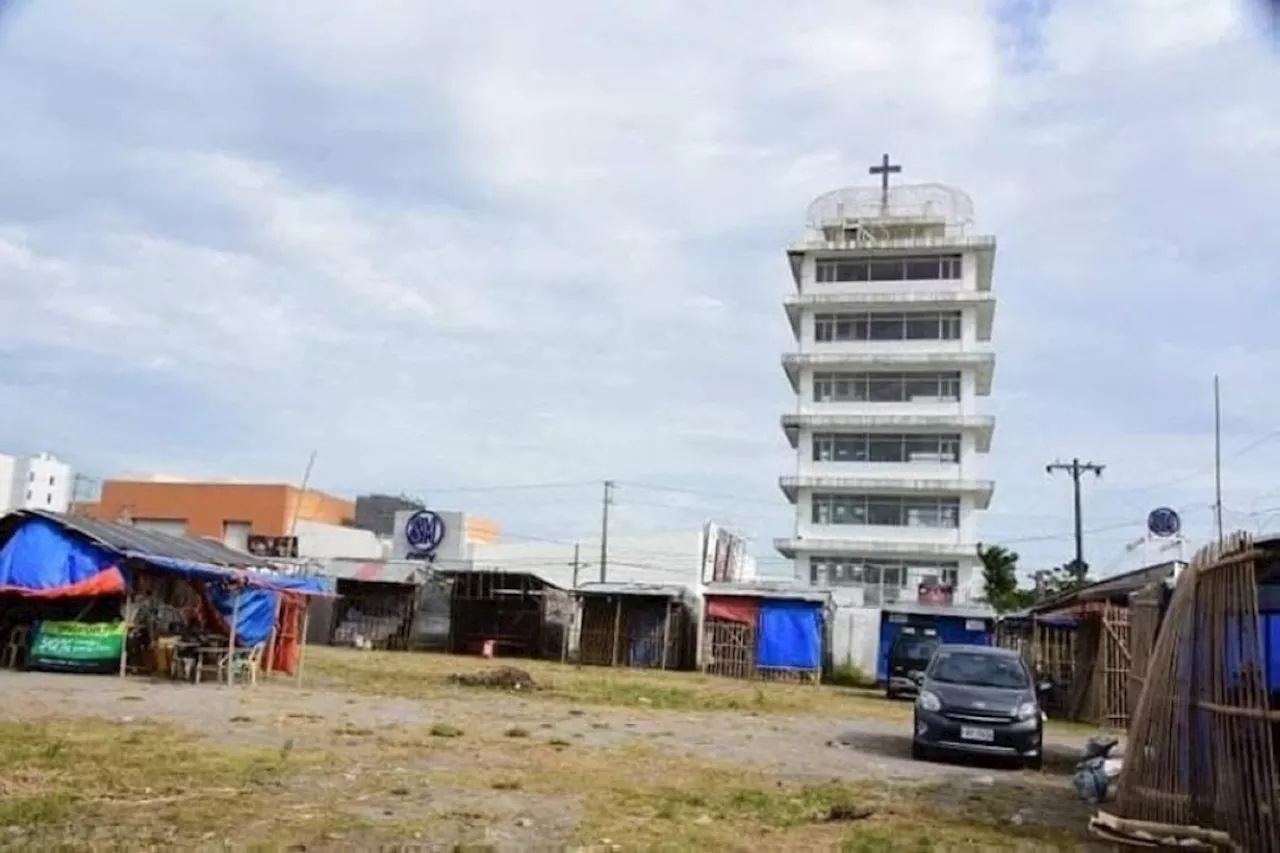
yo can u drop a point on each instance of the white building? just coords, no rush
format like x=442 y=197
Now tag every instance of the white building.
x=35 y=482
x=691 y=558
x=892 y=315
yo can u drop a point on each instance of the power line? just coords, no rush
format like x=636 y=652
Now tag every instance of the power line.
x=511 y=488
x=699 y=492
x=1076 y=468
x=1200 y=472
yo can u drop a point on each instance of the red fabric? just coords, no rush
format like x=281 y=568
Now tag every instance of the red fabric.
x=285 y=639
x=106 y=582
x=733 y=609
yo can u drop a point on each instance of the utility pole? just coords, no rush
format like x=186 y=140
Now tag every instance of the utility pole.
x=577 y=546
x=302 y=493
x=1076 y=468
x=1217 y=459
x=604 y=530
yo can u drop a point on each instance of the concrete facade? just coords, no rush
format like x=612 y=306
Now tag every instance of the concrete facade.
x=227 y=511
x=892 y=316
x=40 y=481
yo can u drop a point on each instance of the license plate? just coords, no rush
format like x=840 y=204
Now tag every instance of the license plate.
x=983 y=735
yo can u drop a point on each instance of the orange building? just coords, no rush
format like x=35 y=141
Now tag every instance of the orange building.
x=226 y=511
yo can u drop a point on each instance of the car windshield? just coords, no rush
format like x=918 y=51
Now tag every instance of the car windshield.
x=977 y=669
x=916 y=651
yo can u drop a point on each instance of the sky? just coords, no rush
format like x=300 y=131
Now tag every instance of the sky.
x=456 y=248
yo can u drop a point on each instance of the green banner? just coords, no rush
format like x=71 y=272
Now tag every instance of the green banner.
x=77 y=646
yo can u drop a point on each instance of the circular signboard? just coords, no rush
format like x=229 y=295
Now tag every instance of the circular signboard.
x=424 y=531
x=1164 y=522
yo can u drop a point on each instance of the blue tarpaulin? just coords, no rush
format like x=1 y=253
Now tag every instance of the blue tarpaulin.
x=790 y=635
x=309 y=584
x=255 y=616
x=947 y=628
x=186 y=568
x=41 y=557
x=645 y=625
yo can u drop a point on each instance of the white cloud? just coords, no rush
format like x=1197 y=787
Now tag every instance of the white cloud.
x=454 y=243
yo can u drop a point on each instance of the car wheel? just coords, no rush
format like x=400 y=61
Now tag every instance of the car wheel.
x=890 y=695
x=918 y=751
x=1035 y=762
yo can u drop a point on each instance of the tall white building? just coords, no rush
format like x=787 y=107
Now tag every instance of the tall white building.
x=35 y=482
x=892 y=315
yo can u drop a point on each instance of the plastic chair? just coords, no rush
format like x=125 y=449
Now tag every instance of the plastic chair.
x=241 y=662
x=16 y=647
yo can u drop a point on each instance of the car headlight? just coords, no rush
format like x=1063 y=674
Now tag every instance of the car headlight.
x=1028 y=711
x=928 y=701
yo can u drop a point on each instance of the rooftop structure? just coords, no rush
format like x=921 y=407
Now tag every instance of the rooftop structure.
x=893 y=319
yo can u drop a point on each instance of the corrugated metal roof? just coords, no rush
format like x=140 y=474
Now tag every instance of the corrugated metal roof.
x=1108 y=589
x=672 y=591
x=955 y=611
x=205 y=557
x=776 y=591
x=125 y=537
x=375 y=571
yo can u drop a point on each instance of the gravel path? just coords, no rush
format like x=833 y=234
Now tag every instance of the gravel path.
x=807 y=747
x=849 y=749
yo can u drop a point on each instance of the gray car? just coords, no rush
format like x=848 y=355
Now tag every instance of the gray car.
x=978 y=701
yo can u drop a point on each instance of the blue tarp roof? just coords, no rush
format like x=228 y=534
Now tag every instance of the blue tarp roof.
x=196 y=558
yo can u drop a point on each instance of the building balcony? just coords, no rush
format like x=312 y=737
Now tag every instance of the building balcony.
x=791 y=547
x=979 y=490
x=983 y=249
x=981 y=425
x=983 y=303
x=982 y=363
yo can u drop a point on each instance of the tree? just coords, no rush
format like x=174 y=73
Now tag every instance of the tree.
x=1061 y=580
x=1000 y=579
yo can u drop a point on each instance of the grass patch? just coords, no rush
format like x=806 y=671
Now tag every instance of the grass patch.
x=656 y=801
x=445 y=730
x=848 y=675
x=101 y=785
x=424 y=675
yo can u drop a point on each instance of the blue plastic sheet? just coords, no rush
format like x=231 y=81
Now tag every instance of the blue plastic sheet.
x=950 y=629
x=185 y=568
x=41 y=556
x=790 y=635
x=255 y=616
x=306 y=584
x=645 y=625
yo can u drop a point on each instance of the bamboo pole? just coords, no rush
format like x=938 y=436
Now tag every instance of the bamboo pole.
x=274 y=636
x=124 y=644
x=564 y=637
x=231 y=639
x=666 y=633
x=617 y=627
x=302 y=640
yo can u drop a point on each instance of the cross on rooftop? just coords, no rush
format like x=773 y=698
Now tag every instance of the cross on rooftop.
x=884 y=170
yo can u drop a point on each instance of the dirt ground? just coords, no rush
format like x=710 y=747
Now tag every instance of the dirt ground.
x=336 y=765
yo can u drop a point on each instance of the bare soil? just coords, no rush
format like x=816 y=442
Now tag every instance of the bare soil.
x=510 y=770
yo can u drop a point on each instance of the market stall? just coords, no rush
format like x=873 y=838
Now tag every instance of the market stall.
x=80 y=595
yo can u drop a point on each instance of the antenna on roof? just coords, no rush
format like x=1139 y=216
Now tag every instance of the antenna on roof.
x=302 y=493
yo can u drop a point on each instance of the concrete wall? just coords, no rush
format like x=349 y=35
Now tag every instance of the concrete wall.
x=205 y=508
x=658 y=558
x=855 y=632
x=35 y=482
x=316 y=539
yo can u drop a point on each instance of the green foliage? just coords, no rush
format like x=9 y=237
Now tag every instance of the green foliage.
x=1062 y=579
x=1000 y=579
x=849 y=675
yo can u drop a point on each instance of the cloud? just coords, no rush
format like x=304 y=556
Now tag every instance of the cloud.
x=456 y=245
